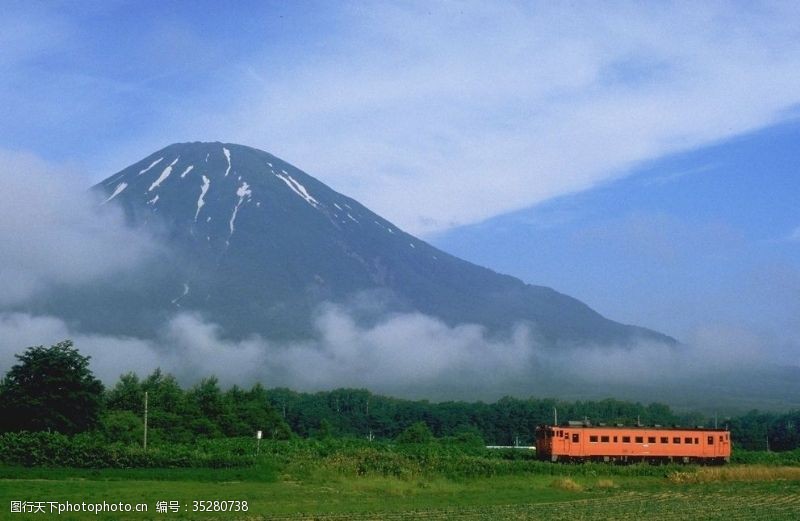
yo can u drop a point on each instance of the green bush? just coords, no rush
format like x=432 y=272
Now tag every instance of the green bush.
x=766 y=458
x=93 y=451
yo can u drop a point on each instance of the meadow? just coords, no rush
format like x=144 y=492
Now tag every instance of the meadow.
x=349 y=479
x=347 y=454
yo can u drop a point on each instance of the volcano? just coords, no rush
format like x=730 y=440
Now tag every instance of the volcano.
x=256 y=245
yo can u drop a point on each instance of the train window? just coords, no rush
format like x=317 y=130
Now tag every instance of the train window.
x=688 y=440
x=697 y=441
x=575 y=438
x=615 y=439
x=651 y=439
x=720 y=439
x=593 y=439
x=664 y=439
x=711 y=440
x=604 y=439
x=639 y=439
x=626 y=439
x=676 y=440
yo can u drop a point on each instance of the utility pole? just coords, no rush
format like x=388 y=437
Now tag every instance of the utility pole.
x=555 y=416
x=145 y=421
x=369 y=435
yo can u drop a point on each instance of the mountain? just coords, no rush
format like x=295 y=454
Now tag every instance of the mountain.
x=257 y=245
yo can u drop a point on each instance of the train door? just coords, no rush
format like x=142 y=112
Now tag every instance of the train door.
x=573 y=443
x=558 y=444
x=709 y=443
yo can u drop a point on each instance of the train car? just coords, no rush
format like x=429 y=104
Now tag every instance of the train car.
x=633 y=444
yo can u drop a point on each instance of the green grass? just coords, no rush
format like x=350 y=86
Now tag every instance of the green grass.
x=331 y=495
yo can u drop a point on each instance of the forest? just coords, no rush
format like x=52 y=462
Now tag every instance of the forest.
x=52 y=389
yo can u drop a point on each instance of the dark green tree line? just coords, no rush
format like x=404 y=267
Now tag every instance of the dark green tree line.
x=54 y=389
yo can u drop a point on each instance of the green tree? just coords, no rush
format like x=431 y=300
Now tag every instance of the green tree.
x=126 y=395
x=169 y=414
x=251 y=411
x=51 y=388
x=416 y=433
x=325 y=430
x=206 y=410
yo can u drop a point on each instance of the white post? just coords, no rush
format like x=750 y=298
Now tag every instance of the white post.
x=145 y=421
x=258 y=442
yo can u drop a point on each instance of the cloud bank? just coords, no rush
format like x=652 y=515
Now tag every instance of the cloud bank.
x=53 y=231
x=408 y=355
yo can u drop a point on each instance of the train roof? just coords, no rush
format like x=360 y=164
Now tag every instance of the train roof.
x=635 y=427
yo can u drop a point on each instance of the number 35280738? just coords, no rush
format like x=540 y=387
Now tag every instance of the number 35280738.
x=220 y=506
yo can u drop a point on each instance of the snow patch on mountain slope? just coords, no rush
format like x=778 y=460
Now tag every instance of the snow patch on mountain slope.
x=228 y=157
x=200 y=201
x=188 y=169
x=117 y=191
x=242 y=192
x=185 y=292
x=297 y=188
x=164 y=175
x=154 y=163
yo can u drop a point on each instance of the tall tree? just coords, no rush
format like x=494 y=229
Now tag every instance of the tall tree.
x=51 y=388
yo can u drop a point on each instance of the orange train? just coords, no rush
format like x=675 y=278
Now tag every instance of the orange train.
x=633 y=444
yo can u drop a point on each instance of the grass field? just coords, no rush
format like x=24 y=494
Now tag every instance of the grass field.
x=744 y=492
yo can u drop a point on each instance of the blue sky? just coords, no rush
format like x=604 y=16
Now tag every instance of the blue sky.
x=707 y=236
x=641 y=157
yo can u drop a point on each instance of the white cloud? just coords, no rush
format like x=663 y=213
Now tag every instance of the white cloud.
x=397 y=354
x=53 y=233
x=436 y=115
x=432 y=114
